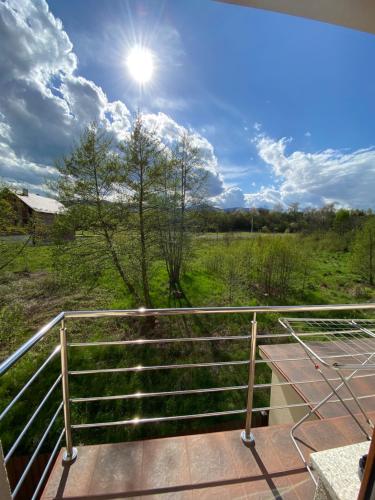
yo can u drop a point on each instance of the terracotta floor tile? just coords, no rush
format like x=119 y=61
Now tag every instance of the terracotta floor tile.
x=210 y=458
x=72 y=480
x=118 y=469
x=165 y=463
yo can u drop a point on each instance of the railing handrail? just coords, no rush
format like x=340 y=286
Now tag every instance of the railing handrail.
x=21 y=351
x=179 y=311
x=143 y=312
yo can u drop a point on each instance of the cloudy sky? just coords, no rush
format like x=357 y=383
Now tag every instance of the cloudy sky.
x=282 y=108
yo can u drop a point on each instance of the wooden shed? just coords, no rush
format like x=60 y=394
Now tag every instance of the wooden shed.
x=28 y=206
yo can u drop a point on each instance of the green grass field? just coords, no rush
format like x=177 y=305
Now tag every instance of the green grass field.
x=30 y=285
x=221 y=271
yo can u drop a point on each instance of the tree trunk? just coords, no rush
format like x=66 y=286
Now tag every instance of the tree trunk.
x=144 y=264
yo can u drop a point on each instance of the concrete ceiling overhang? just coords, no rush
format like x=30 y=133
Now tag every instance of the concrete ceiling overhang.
x=355 y=14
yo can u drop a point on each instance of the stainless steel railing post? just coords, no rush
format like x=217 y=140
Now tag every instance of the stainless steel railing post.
x=70 y=453
x=246 y=435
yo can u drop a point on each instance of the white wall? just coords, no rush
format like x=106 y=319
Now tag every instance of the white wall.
x=282 y=396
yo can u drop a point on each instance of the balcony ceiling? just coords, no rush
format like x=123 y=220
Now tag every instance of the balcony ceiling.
x=355 y=14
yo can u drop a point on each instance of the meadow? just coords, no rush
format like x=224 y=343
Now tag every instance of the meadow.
x=222 y=269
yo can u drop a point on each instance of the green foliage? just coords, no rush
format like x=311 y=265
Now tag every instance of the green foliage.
x=279 y=264
x=364 y=251
x=342 y=222
x=127 y=208
x=266 y=266
x=8 y=215
x=278 y=220
x=88 y=182
x=180 y=193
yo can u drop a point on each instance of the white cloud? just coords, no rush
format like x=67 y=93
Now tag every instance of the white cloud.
x=169 y=131
x=316 y=178
x=44 y=103
x=232 y=197
x=265 y=198
x=33 y=43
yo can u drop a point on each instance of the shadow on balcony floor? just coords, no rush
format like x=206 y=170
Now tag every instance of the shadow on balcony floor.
x=214 y=465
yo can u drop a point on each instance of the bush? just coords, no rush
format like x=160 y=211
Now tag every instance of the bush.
x=280 y=262
x=272 y=265
x=363 y=259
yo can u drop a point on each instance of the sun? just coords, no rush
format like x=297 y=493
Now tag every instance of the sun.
x=140 y=63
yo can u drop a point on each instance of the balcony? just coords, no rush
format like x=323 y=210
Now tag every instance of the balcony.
x=260 y=462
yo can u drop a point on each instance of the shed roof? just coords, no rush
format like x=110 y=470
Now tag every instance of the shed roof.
x=41 y=203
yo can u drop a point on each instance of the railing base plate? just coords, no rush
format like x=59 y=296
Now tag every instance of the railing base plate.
x=69 y=458
x=249 y=442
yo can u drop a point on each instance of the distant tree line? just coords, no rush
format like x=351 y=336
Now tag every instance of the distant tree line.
x=278 y=220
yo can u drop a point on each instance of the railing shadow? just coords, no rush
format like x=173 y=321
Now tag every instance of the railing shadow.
x=265 y=475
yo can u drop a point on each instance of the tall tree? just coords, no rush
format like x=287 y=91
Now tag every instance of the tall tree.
x=140 y=172
x=182 y=190
x=87 y=186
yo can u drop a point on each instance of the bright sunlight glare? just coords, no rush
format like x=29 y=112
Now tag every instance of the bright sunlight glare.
x=140 y=63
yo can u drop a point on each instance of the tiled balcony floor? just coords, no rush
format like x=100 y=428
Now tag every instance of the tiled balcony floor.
x=214 y=465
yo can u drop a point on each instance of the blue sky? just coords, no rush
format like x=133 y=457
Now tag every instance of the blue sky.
x=283 y=106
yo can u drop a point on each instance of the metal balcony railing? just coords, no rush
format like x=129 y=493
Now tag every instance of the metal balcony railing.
x=62 y=350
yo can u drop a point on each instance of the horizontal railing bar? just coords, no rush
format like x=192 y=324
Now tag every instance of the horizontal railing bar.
x=36 y=451
x=157 y=341
x=48 y=465
x=142 y=312
x=193 y=339
x=21 y=351
x=199 y=339
x=31 y=420
x=196 y=365
x=157 y=367
x=296 y=405
x=136 y=421
x=138 y=395
x=29 y=382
